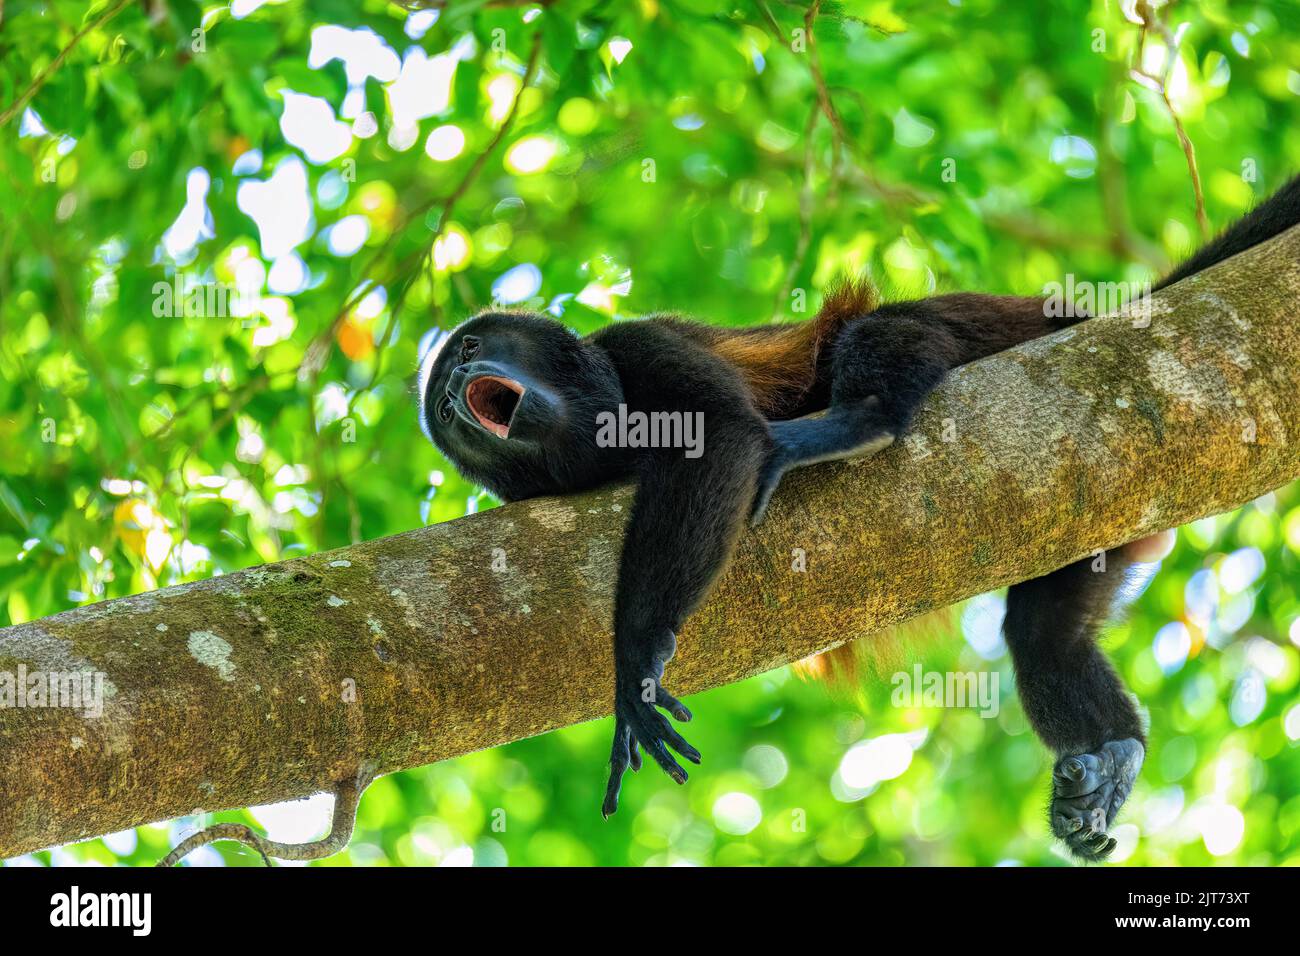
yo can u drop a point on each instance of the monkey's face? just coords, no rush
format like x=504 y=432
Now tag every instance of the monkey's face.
x=511 y=399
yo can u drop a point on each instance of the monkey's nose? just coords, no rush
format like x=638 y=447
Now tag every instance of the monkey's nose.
x=456 y=382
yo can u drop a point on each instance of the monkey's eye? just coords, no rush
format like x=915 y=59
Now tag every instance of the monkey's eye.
x=444 y=410
x=469 y=348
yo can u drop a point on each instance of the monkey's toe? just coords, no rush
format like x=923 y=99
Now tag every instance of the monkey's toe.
x=1087 y=792
x=768 y=481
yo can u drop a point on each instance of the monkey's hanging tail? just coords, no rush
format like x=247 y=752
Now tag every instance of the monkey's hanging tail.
x=870 y=658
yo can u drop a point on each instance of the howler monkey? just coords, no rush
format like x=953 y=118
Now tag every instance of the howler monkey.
x=513 y=400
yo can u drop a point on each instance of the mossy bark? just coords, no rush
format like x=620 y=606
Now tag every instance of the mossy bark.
x=278 y=681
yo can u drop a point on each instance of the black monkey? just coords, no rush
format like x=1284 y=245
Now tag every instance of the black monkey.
x=513 y=399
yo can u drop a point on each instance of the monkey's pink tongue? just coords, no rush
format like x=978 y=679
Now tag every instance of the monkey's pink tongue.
x=493 y=401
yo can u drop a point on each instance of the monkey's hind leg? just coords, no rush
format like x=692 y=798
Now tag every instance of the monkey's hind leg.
x=882 y=367
x=1075 y=700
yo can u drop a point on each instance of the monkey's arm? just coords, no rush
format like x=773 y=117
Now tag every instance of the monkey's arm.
x=685 y=519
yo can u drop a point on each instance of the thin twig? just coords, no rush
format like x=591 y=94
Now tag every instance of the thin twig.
x=770 y=20
x=347 y=795
x=1160 y=85
x=207 y=398
x=318 y=350
x=841 y=136
x=1113 y=185
x=41 y=78
x=413 y=265
x=805 y=217
x=472 y=174
x=1043 y=232
x=894 y=195
x=410 y=268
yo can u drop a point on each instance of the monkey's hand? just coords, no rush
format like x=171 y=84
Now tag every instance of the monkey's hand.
x=638 y=692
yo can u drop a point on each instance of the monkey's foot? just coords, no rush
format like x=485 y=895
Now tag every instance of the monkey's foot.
x=1087 y=792
x=853 y=430
x=769 y=480
x=637 y=722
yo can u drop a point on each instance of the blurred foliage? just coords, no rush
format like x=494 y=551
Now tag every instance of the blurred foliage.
x=669 y=155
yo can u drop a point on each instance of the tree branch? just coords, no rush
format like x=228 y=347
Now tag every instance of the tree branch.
x=276 y=682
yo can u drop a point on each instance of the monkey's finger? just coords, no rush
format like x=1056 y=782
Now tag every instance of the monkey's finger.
x=1067 y=825
x=648 y=731
x=665 y=733
x=634 y=754
x=1078 y=775
x=610 y=804
x=657 y=750
x=1092 y=845
x=678 y=743
x=671 y=704
x=619 y=758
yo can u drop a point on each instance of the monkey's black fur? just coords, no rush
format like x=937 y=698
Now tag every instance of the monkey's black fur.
x=512 y=400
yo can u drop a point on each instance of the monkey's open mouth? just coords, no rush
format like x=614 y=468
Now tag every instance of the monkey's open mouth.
x=493 y=401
